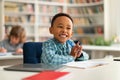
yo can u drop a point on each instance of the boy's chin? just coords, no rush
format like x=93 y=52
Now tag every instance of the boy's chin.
x=62 y=41
x=14 y=43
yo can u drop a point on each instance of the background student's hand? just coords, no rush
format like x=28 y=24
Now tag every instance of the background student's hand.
x=19 y=50
x=3 y=50
x=76 y=50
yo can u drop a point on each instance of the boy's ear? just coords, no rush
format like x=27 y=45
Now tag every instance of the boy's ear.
x=50 y=29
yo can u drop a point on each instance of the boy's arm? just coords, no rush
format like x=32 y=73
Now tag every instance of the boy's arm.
x=2 y=49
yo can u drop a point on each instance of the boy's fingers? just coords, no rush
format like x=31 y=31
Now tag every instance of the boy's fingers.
x=78 y=43
x=80 y=47
x=75 y=50
x=79 y=55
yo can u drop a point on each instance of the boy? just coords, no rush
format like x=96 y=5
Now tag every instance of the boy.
x=15 y=40
x=60 y=49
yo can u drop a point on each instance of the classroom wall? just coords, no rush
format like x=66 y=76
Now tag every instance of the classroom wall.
x=115 y=17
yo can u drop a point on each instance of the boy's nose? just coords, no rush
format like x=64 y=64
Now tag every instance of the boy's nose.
x=64 y=30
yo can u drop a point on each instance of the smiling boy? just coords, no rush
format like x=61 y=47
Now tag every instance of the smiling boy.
x=61 y=49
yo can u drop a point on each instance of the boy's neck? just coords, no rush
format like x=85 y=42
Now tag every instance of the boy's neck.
x=58 y=41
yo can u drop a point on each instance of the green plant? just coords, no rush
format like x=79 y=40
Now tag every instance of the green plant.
x=100 y=42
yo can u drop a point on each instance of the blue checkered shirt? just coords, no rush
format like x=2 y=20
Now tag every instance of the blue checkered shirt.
x=55 y=53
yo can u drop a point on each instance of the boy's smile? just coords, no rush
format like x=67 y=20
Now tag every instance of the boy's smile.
x=62 y=29
x=63 y=35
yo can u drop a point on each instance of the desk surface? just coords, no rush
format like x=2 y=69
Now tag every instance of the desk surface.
x=103 y=48
x=110 y=71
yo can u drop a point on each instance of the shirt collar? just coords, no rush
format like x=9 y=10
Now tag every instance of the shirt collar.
x=59 y=44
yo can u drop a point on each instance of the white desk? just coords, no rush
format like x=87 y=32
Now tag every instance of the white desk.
x=102 y=48
x=102 y=51
x=11 y=59
x=106 y=72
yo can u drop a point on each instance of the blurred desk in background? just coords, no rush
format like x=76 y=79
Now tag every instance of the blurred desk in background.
x=102 y=51
x=10 y=59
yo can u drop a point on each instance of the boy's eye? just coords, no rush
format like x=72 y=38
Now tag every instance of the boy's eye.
x=68 y=28
x=60 y=26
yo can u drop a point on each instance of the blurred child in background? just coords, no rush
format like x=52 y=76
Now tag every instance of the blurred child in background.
x=14 y=43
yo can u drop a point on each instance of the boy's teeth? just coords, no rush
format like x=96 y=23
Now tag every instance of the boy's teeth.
x=62 y=35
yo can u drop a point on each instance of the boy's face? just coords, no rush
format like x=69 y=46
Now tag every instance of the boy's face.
x=62 y=29
x=14 y=40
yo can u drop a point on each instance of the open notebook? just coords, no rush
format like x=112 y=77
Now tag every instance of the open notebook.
x=32 y=67
x=5 y=54
x=10 y=53
x=87 y=64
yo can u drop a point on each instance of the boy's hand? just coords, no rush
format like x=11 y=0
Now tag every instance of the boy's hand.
x=19 y=50
x=76 y=50
x=3 y=50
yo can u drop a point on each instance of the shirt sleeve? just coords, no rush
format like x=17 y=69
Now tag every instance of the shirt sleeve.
x=0 y=44
x=49 y=55
x=20 y=45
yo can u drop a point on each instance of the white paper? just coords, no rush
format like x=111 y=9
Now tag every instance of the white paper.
x=86 y=64
x=5 y=54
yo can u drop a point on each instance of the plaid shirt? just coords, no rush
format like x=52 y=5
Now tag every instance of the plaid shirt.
x=53 y=52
